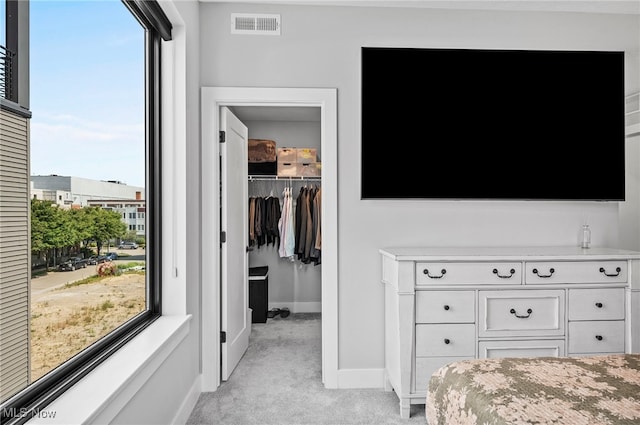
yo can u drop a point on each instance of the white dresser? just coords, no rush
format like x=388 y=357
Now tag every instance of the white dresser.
x=448 y=304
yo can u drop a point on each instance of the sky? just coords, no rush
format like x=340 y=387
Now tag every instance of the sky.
x=87 y=90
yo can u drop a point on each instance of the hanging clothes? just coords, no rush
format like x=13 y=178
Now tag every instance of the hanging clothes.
x=315 y=248
x=290 y=237
x=258 y=222
x=272 y=218
x=286 y=227
x=295 y=227
x=306 y=227
x=298 y=221
x=318 y=209
x=309 y=239
x=252 y=217
x=264 y=214
x=301 y=222
x=282 y=223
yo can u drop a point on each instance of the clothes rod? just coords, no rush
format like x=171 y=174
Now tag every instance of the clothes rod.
x=272 y=178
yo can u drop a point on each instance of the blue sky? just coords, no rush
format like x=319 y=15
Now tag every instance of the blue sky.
x=87 y=90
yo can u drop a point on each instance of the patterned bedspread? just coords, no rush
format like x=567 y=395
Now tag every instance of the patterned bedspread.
x=596 y=390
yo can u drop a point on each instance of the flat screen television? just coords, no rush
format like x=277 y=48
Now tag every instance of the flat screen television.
x=492 y=124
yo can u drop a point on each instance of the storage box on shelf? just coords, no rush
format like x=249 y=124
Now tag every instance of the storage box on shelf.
x=261 y=155
x=306 y=155
x=448 y=304
x=287 y=169
x=311 y=169
x=298 y=162
x=287 y=155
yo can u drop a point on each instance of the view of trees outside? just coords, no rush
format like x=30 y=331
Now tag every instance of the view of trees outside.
x=55 y=229
x=88 y=104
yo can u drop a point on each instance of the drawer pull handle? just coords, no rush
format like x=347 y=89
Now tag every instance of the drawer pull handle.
x=551 y=272
x=446 y=307
x=599 y=305
x=442 y=273
x=513 y=311
x=448 y=341
x=618 y=270
x=599 y=337
x=512 y=271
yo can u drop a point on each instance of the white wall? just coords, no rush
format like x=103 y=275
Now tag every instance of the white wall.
x=629 y=210
x=170 y=393
x=320 y=47
x=162 y=399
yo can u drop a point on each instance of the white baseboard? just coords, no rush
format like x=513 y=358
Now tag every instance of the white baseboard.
x=360 y=378
x=189 y=402
x=299 y=307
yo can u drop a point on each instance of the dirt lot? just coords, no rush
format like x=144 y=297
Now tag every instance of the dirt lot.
x=68 y=319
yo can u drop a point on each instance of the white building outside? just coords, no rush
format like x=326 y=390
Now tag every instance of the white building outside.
x=132 y=211
x=78 y=192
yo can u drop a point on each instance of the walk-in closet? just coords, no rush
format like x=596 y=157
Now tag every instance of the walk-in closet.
x=284 y=220
x=302 y=118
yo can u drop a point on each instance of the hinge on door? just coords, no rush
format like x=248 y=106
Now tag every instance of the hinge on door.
x=222 y=137
x=223 y=337
x=223 y=237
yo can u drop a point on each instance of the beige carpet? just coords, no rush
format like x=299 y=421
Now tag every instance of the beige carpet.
x=278 y=381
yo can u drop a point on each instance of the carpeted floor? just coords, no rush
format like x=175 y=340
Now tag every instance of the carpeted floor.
x=278 y=381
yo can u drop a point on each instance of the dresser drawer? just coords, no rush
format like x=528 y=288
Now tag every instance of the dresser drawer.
x=468 y=273
x=446 y=340
x=527 y=348
x=521 y=313
x=576 y=272
x=596 y=337
x=445 y=307
x=425 y=366
x=596 y=304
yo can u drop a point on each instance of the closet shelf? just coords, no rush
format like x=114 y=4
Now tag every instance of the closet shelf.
x=271 y=178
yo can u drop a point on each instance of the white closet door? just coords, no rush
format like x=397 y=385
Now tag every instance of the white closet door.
x=236 y=319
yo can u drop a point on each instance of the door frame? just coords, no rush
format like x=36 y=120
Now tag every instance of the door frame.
x=212 y=98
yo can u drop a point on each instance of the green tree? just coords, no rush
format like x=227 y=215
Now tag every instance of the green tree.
x=50 y=229
x=104 y=225
x=84 y=226
x=42 y=213
x=53 y=228
x=131 y=235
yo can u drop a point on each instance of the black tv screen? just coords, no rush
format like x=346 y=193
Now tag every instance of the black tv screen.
x=492 y=124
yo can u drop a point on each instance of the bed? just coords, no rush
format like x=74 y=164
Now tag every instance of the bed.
x=545 y=390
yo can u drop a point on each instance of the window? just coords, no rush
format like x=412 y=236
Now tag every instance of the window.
x=132 y=216
x=63 y=21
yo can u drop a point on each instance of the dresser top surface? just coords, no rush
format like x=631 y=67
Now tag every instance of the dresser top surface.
x=517 y=253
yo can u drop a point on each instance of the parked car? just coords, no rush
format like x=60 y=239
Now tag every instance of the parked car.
x=110 y=256
x=92 y=260
x=128 y=245
x=73 y=263
x=101 y=259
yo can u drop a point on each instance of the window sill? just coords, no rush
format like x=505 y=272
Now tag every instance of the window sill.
x=99 y=396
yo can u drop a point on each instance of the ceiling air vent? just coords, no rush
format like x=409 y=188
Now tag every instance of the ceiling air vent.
x=254 y=23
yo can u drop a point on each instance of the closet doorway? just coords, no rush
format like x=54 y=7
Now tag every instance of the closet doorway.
x=271 y=104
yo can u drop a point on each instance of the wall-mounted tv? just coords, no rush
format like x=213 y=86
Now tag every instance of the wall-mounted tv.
x=492 y=124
